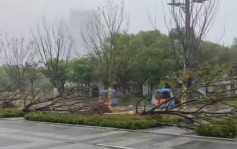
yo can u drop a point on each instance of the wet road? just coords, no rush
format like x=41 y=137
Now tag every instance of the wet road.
x=17 y=133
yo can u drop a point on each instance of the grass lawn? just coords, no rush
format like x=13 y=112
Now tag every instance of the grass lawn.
x=232 y=102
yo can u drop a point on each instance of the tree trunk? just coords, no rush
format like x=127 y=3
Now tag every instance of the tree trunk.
x=151 y=87
x=32 y=89
x=61 y=88
x=141 y=89
x=110 y=87
x=184 y=86
x=78 y=87
x=109 y=96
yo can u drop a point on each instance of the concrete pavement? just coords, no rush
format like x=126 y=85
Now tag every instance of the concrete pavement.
x=17 y=133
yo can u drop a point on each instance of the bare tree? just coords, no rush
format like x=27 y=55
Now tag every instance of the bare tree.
x=15 y=55
x=54 y=44
x=188 y=24
x=32 y=75
x=100 y=36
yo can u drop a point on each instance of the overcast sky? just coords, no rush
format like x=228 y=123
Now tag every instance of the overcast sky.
x=17 y=16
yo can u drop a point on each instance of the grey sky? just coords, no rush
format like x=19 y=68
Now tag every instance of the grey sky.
x=17 y=16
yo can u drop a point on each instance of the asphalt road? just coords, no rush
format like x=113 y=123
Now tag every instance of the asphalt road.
x=20 y=134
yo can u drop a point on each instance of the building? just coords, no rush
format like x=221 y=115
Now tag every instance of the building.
x=78 y=19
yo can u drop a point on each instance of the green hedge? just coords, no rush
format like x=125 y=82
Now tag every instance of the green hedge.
x=233 y=121
x=171 y=119
x=224 y=129
x=116 y=121
x=11 y=113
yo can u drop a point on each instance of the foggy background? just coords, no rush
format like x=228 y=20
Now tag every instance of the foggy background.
x=17 y=17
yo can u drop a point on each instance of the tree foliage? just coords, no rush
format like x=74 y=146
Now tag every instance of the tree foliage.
x=80 y=71
x=101 y=35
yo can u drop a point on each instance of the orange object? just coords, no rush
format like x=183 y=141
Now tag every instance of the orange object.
x=159 y=101
x=103 y=100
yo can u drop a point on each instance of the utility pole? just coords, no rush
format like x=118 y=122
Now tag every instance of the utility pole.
x=187 y=16
x=186 y=8
x=186 y=5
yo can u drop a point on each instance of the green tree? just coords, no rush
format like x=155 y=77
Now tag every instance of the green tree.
x=32 y=75
x=143 y=57
x=80 y=71
x=43 y=83
x=4 y=79
x=56 y=72
x=101 y=35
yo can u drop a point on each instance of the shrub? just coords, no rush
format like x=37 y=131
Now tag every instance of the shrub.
x=11 y=113
x=121 y=121
x=224 y=129
x=171 y=119
x=234 y=122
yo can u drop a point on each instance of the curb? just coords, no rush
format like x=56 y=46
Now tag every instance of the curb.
x=194 y=136
x=128 y=130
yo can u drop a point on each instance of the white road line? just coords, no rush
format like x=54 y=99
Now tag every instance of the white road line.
x=116 y=147
x=71 y=138
x=172 y=143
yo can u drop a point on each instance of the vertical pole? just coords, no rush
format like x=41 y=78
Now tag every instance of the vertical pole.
x=187 y=30
x=187 y=16
x=187 y=24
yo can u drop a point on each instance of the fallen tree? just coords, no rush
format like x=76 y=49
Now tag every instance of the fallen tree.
x=211 y=107
x=70 y=102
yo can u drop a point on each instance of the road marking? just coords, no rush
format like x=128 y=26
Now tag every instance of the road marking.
x=116 y=147
x=172 y=143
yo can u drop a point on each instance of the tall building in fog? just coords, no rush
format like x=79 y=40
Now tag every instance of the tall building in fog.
x=78 y=18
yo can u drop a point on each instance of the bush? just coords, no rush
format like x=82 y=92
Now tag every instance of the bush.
x=11 y=113
x=121 y=121
x=224 y=129
x=171 y=119
x=234 y=122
